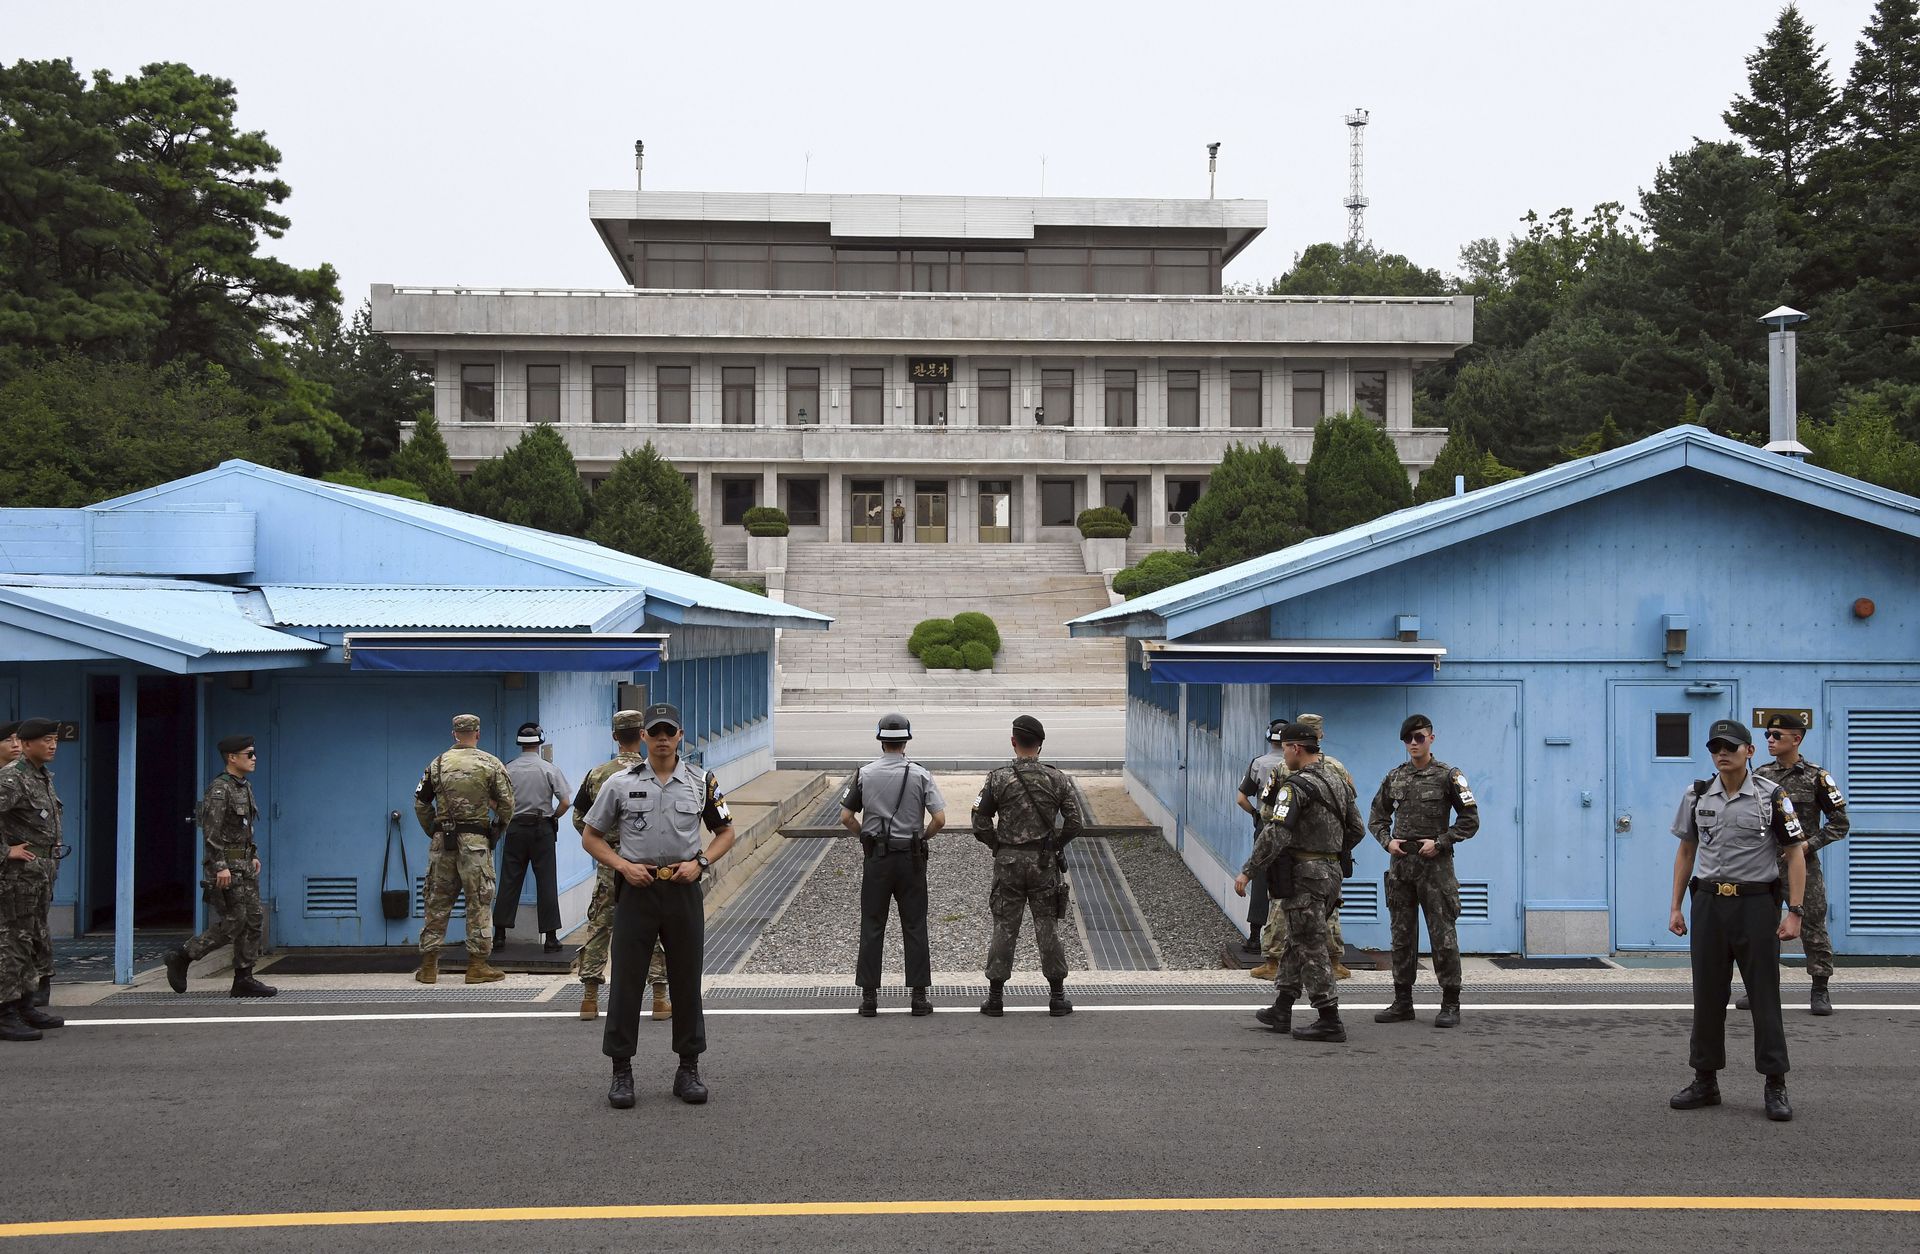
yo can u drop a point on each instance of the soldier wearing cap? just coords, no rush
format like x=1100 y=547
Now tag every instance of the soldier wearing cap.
x=884 y=806
x=1822 y=812
x=452 y=802
x=1031 y=800
x=654 y=811
x=231 y=860
x=1314 y=824
x=9 y=744
x=590 y=962
x=1252 y=784
x=540 y=795
x=30 y=839
x=1273 y=937
x=1736 y=831
x=1409 y=819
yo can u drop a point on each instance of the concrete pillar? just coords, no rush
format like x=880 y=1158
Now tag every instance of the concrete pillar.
x=1029 y=508
x=836 y=507
x=123 y=829
x=703 y=501
x=770 y=486
x=1157 y=505
x=1094 y=495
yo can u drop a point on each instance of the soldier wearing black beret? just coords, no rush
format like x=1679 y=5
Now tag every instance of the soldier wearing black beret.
x=1823 y=817
x=1029 y=800
x=227 y=815
x=30 y=851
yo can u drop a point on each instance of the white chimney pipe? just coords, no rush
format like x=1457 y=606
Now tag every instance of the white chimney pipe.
x=1783 y=404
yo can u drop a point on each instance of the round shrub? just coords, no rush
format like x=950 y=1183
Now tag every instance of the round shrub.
x=765 y=520
x=929 y=632
x=1154 y=572
x=943 y=657
x=1103 y=522
x=973 y=625
x=976 y=656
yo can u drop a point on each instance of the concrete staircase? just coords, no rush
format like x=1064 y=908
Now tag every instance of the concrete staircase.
x=877 y=593
x=730 y=560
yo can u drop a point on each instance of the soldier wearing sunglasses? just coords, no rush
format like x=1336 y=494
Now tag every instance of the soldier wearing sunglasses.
x=227 y=815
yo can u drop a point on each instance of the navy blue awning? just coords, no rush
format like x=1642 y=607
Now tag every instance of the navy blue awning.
x=492 y=652
x=1294 y=662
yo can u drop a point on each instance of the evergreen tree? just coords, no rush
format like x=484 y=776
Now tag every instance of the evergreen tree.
x=1863 y=441
x=1255 y=503
x=1789 y=117
x=532 y=484
x=1606 y=436
x=1882 y=98
x=392 y=487
x=1354 y=474
x=1460 y=456
x=645 y=508
x=370 y=385
x=423 y=460
x=1353 y=270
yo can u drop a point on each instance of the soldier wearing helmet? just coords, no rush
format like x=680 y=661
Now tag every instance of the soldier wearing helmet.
x=883 y=806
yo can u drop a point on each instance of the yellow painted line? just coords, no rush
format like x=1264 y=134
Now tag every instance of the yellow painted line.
x=981 y=1206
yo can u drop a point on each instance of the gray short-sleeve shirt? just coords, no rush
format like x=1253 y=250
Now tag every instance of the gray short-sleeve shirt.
x=654 y=822
x=1740 y=836
x=892 y=795
x=539 y=787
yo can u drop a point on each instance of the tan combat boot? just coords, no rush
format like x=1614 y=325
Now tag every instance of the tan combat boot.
x=662 y=1008
x=429 y=972
x=480 y=971
x=1341 y=971
x=1266 y=970
x=590 y=999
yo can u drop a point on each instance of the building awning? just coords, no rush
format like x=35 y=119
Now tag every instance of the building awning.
x=1294 y=662
x=465 y=652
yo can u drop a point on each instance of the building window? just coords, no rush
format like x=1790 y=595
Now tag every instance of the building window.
x=1122 y=399
x=1370 y=394
x=803 y=267
x=803 y=396
x=930 y=404
x=1056 y=502
x=995 y=271
x=867 y=269
x=1182 y=271
x=803 y=502
x=1057 y=269
x=996 y=398
x=609 y=393
x=543 y=394
x=1246 y=399
x=1672 y=736
x=737 y=496
x=736 y=396
x=476 y=394
x=869 y=397
x=1183 y=494
x=1309 y=397
x=676 y=393
x=931 y=271
x=737 y=267
x=1056 y=398
x=1122 y=271
x=1183 y=398
x=676 y=265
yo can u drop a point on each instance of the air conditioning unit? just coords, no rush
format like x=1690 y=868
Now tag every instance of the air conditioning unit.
x=1176 y=518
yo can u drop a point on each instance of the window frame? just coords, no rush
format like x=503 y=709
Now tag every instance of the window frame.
x=1386 y=384
x=1318 y=391
x=545 y=392
x=1183 y=390
x=1062 y=392
x=1237 y=391
x=801 y=392
x=871 y=389
x=737 y=395
x=473 y=388
x=1128 y=396
x=1003 y=390
x=611 y=393
x=680 y=390
x=1072 y=494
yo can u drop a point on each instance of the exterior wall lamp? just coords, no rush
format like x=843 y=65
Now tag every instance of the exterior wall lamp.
x=1674 y=629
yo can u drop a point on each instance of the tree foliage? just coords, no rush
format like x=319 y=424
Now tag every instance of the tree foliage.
x=533 y=484
x=1460 y=457
x=1789 y=118
x=1352 y=269
x=645 y=508
x=1863 y=441
x=1254 y=503
x=1353 y=476
x=370 y=385
x=1154 y=572
x=424 y=460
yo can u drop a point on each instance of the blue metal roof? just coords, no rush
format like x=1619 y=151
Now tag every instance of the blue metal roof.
x=169 y=624
x=1324 y=560
x=590 y=609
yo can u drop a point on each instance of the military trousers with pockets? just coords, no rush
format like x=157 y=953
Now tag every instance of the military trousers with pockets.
x=26 y=944
x=1725 y=932
x=590 y=960
x=1273 y=937
x=1815 y=940
x=238 y=920
x=674 y=916
x=1417 y=887
x=887 y=881
x=530 y=842
x=450 y=871
x=1305 y=964
x=1025 y=879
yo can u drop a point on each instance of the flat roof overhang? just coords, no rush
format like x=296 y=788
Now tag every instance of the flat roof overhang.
x=1339 y=662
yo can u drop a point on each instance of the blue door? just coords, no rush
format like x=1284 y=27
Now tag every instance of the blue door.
x=1659 y=735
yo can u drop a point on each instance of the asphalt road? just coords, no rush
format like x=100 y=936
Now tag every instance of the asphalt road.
x=152 y=1119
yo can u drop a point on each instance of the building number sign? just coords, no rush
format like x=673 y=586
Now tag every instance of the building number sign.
x=930 y=369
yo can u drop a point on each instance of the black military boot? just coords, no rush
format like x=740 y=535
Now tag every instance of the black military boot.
x=994 y=1004
x=1821 y=1004
x=1326 y=1028
x=34 y=1017
x=869 y=1002
x=13 y=1027
x=1778 y=1109
x=1449 y=1016
x=553 y=943
x=1704 y=1091
x=44 y=993
x=920 y=1005
x=177 y=964
x=1057 y=1003
x=1278 y=1016
x=1743 y=1002
x=620 y=1094
x=686 y=1082
x=1401 y=1011
x=244 y=985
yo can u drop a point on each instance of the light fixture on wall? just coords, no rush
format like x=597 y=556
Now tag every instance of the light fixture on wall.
x=1407 y=628
x=1673 y=629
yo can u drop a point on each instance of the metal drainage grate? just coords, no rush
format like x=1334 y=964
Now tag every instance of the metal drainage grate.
x=1118 y=939
x=734 y=928
x=306 y=996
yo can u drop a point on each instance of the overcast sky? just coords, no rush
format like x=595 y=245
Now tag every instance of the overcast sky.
x=456 y=143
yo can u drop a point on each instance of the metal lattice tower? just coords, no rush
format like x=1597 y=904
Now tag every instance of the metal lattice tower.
x=1356 y=177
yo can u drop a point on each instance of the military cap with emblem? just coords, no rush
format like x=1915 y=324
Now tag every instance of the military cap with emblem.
x=1413 y=723
x=230 y=745
x=628 y=720
x=8 y=729
x=1296 y=734
x=1785 y=721
x=1274 y=729
x=1731 y=730
x=530 y=734
x=466 y=722
x=35 y=728
x=894 y=729
x=661 y=712
x=1029 y=726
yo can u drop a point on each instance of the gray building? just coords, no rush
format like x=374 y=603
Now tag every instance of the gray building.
x=997 y=364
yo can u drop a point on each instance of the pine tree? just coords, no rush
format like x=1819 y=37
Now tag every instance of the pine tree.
x=645 y=508
x=1882 y=99
x=1254 y=503
x=533 y=484
x=423 y=461
x=1789 y=117
x=1354 y=475
x=1460 y=456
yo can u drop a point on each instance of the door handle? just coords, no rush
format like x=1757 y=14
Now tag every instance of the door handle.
x=1623 y=823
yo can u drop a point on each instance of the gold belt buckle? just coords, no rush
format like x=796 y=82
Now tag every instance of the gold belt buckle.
x=1727 y=890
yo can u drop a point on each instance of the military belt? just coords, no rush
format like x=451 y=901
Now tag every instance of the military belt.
x=1735 y=888
x=242 y=852
x=1313 y=855
x=470 y=828
x=57 y=850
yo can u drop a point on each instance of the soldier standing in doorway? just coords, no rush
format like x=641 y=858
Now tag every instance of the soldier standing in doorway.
x=590 y=964
x=30 y=839
x=227 y=816
x=452 y=801
x=539 y=799
x=899 y=516
x=1028 y=797
x=1823 y=817
x=884 y=806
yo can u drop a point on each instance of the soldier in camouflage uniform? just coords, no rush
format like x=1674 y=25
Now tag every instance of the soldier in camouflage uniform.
x=30 y=838
x=1409 y=819
x=1823 y=816
x=590 y=963
x=227 y=815
x=1028 y=797
x=455 y=793
x=1273 y=938
x=1315 y=825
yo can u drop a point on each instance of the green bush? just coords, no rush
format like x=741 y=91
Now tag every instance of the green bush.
x=929 y=632
x=976 y=656
x=765 y=520
x=1154 y=572
x=1103 y=522
x=974 y=626
x=943 y=657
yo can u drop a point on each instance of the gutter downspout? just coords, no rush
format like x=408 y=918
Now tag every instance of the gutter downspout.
x=123 y=831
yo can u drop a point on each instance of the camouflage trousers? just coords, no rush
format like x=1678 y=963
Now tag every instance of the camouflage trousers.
x=1814 y=937
x=1020 y=883
x=448 y=873
x=1418 y=886
x=240 y=922
x=590 y=963
x=1273 y=937
x=1305 y=963
x=26 y=946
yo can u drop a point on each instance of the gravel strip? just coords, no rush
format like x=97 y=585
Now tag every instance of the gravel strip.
x=1187 y=924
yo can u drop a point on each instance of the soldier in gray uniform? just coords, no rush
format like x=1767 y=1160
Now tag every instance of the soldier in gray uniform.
x=1409 y=819
x=30 y=852
x=1822 y=812
x=1029 y=798
x=883 y=806
x=1736 y=830
x=540 y=796
x=1251 y=786
x=231 y=860
x=654 y=811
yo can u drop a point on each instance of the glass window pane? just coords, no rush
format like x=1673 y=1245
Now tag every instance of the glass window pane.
x=1672 y=736
x=1122 y=270
x=867 y=269
x=736 y=395
x=737 y=496
x=738 y=267
x=996 y=398
x=869 y=396
x=1122 y=399
x=1183 y=398
x=476 y=394
x=803 y=396
x=676 y=265
x=1182 y=271
x=995 y=271
x=1056 y=397
x=1056 y=502
x=1245 y=411
x=803 y=502
x=803 y=267
x=1309 y=397
x=1370 y=394
x=1058 y=269
x=675 y=403
x=1183 y=493
x=609 y=393
x=930 y=404
x=543 y=394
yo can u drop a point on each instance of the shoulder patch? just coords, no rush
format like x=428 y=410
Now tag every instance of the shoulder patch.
x=1283 y=801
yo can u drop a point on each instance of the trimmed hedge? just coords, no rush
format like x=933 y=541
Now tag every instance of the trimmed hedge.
x=1154 y=572
x=976 y=656
x=765 y=520
x=1103 y=522
x=974 y=626
x=941 y=657
x=930 y=632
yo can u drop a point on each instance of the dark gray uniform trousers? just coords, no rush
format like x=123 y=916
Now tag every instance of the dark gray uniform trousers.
x=530 y=843
x=1725 y=932
x=887 y=878
x=675 y=915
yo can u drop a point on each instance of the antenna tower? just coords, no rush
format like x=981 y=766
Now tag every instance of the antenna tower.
x=1356 y=177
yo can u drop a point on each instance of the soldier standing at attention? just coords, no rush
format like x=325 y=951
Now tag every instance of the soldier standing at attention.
x=1409 y=819
x=1736 y=830
x=452 y=801
x=1251 y=786
x=227 y=816
x=1028 y=797
x=1315 y=824
x=9 y=744
x=655 y=810
x=30 y=837
x=590 y=963
x=1815 y=798
x=883 y=807
x=539 y=799
x=899 y=516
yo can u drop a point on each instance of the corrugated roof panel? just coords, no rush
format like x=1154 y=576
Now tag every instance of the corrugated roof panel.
x=198 y=620
x=865 y=215
x=507 y=608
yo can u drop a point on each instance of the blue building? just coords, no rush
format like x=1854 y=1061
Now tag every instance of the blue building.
x=343 y=628
x=1571 y=634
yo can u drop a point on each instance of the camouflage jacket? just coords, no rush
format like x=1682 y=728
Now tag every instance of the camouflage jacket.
x=459 y=787
x=1314 y=809
x=227 y=816
x=29 y=808
x=1027 y=797
x=1413 y=801
x=599 y=775
x=1816 y=799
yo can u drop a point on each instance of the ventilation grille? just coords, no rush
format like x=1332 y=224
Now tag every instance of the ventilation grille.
x=1883 y=883
x=1474 y=904
x=1360 y=903
x=420 y=900
x=1880 y=757
x=332 y=897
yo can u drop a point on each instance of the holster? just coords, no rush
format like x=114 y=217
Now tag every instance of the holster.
x=1280 y=877
x=1062 y=900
